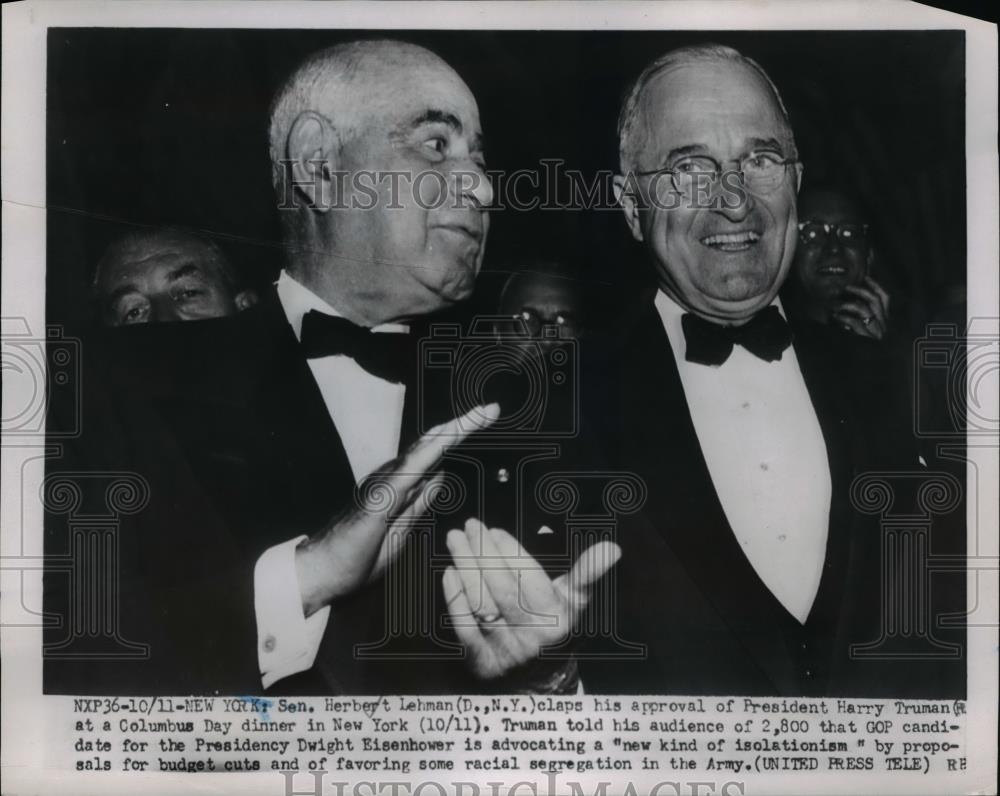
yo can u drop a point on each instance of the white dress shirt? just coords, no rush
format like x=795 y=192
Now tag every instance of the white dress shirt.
x=367 y=412
x=765 y=452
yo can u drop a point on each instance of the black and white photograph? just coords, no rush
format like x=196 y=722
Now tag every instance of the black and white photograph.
x=528 y=389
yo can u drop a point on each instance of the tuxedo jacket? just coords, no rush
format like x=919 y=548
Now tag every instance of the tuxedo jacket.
x=684 y=593
x=222 y=431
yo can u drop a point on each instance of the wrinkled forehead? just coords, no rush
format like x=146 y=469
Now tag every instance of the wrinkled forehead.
x=155 y=255
x=710 y=103
x=389 y=93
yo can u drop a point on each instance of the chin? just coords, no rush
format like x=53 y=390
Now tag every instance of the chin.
x=741 y=287
x=457 y=285
x=739 y=306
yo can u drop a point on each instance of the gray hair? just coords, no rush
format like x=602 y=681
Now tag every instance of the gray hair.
x=628 y=119
x=131 y=241
x=323 y=82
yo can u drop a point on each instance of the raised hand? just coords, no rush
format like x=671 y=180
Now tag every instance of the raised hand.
x=360 y=542
x=866 y=312
x=504 y=606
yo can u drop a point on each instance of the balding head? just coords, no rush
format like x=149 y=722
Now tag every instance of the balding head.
x=377 y=159
x=632 y=122
x=348 y=84
x=721 y=238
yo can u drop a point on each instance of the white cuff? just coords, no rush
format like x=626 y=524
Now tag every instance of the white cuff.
x=287 y=642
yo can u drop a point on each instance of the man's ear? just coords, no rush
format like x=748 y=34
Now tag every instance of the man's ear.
x=626 y=191
x=245 y=299
x=312 y=155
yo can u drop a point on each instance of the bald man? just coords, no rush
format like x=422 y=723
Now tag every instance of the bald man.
x=162 y=275
x=753 y=568
x=283 y=445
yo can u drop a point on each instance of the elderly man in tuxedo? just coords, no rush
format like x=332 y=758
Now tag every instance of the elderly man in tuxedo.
x=281 y=447
x=748 y=571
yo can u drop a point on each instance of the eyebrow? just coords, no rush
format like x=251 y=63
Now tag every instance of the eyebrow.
x=683 y=151
x=185 y=270
x=432 y=116
x=435 y=116
x=700 y=149
x=189 y=269
x=119 y=293
x=766 y=143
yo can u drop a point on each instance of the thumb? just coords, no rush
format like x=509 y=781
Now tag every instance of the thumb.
x=592 y=565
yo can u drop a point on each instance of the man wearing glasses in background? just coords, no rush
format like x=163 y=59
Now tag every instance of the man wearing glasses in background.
x=831 y=280
x=748 y=570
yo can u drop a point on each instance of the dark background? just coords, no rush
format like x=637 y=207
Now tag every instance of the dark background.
x=151 y=127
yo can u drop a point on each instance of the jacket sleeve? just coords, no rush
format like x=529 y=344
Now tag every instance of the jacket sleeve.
x=148 y=586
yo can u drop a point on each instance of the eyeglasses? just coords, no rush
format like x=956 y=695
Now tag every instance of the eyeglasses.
x=815 y=233
x=760 y=173
x=563 y=325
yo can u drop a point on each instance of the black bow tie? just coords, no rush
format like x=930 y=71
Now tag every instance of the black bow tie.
x=387 y=355
x=765 y=335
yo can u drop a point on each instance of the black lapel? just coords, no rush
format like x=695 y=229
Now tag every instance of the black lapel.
x=303 y=453
x=825 y=358
x=311 y=480
x=659 y=441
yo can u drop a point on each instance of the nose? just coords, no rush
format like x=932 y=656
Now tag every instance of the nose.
x=832 y=243
x=162 y=309
x=470 y=183
x=732 y=200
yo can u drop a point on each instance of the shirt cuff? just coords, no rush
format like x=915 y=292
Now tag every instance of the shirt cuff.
x=287 y=642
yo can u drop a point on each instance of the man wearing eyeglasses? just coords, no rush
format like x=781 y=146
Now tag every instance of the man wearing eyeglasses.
x=831 y=276
x=748 y=570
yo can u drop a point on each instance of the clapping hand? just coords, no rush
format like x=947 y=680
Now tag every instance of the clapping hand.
x=358 y=544
x=504 y=606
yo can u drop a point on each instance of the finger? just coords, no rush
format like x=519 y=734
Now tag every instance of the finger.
x=872 y=318
x=540 y=607
x=882 y=293
x=534 y=584
x=592 y=565
x=462 y=617
x=869 y=297
x=473 y=581
x=862 y=310
x=399 y=529
x=500 y=580
x=446 y=435
x=392 y=486
x=852 y=323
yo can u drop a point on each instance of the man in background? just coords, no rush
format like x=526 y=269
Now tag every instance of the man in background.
x=162 y=275
x=543 y=294
x=831 y=280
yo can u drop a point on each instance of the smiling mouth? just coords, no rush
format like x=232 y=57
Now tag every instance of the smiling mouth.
x=832 y=270
x=732 y=241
